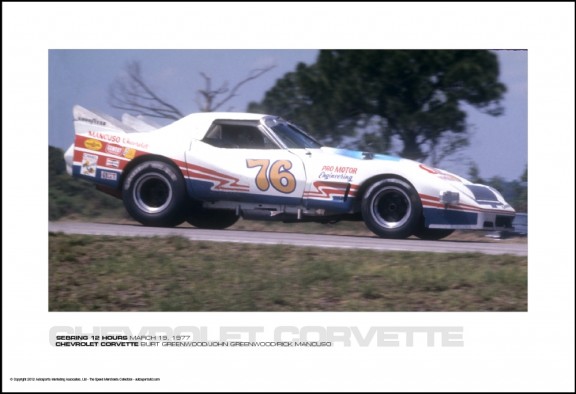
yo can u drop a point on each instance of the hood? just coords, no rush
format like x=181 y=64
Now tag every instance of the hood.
x=356 y=154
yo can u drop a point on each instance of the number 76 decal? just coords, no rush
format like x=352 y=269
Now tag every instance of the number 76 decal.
x=277 y=175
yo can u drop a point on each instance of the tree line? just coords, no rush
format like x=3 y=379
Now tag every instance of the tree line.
x=408 y=102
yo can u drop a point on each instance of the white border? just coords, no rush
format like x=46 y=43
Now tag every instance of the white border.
x=503 y=351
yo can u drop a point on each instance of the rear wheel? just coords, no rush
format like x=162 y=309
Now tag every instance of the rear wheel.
x=391 y=208
x=154 y=194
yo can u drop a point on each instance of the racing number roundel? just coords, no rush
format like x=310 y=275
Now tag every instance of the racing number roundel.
x=277 y=175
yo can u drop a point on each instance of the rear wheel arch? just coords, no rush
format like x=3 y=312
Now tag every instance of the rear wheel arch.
x=139 y=160
x=154 y=192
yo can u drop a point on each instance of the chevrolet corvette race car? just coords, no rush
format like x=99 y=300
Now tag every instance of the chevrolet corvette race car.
x=210 y=169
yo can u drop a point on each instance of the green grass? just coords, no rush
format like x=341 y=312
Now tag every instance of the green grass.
x=97 y=273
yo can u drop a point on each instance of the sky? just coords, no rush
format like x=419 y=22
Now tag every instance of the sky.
x=498 y=145
x=511 y=351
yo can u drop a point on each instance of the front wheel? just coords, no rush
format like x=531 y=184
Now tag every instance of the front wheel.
x=391 y=208
x=154 y=194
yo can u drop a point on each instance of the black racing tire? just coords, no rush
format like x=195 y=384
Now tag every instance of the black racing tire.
x=433 y=234
x=211 y=219
x=154 y=194
x=391 y=208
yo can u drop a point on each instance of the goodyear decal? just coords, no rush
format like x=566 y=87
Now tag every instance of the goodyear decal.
x=91 y=121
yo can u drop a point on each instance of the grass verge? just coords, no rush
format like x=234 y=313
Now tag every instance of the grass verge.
x=98 y=273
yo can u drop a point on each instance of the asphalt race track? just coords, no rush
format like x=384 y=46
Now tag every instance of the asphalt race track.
x=274 y=238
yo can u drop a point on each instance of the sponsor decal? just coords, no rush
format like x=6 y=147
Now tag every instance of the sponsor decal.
x=104 y=136
x=93 y=144
x=129 y=153
x=109 y=175
x=118 y=150
x=441 y=174
x=114 y=149
x=92 y=121
x=340 y=173
x=137 y=144
x=89 y=162
x=115 y=163
x=116 y=139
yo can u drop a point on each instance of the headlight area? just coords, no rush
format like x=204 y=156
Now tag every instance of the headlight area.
x=466 y=207
x=483 y=194
x=449 y=197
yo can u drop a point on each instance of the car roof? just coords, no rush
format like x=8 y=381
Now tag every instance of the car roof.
x=225 y=116
x=196 y=125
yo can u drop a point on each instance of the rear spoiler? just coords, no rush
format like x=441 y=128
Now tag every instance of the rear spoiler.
x=86 y=119
x=139 y=123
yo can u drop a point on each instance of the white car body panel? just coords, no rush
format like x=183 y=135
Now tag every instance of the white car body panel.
x=304 y=182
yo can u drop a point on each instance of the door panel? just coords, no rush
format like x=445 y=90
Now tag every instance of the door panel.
x=273 y=176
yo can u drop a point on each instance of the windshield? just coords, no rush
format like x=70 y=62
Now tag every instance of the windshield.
x=292 y=136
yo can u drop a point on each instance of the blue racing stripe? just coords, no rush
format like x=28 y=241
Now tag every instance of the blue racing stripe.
x=202 y=190
x=445 y=216
x=103 y=176
x=361 y=155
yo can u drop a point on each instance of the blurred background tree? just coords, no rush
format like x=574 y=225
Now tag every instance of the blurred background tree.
x=378 y=99
x=134 y=94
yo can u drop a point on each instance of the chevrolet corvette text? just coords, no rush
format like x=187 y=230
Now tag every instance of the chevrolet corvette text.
x=212 y=168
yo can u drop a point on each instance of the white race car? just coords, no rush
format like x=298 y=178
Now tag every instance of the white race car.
x=212 y=168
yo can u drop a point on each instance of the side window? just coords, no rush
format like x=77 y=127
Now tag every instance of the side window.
x=214 y=137
x=237 y=137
